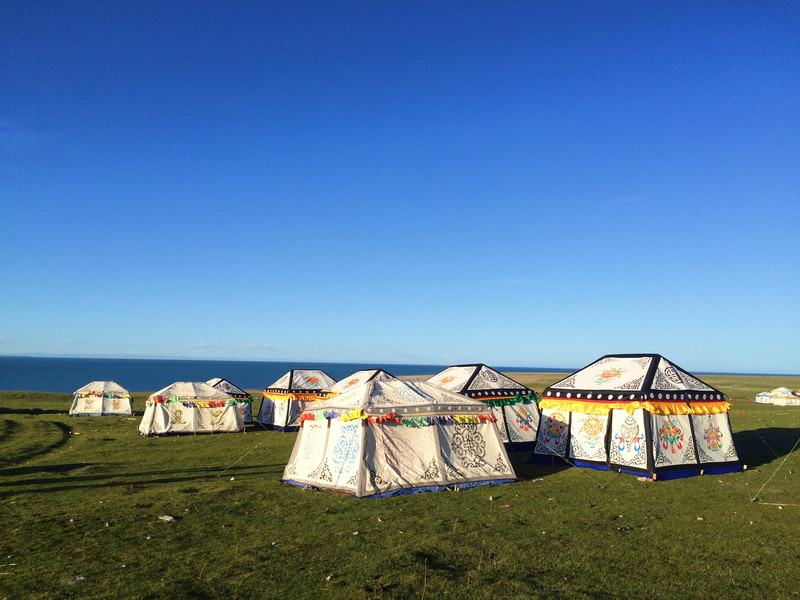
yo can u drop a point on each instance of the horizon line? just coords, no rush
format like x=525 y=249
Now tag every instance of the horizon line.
x=334 y=362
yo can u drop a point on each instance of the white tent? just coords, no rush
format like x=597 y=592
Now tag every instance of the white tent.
x=512 y=403
x=243 y=399
x=189 y=407
x=358 y=378
x=101 y=398
x=390 y=437
x=283 y=401
x=640 y=414
x=781 y=396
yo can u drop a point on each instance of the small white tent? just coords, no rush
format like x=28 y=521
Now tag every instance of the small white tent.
x=781 y=396
x=189 y=407
x=391 y=437
x=101 y=398
x=283 y=401
x=243 y=399
x=512 y=403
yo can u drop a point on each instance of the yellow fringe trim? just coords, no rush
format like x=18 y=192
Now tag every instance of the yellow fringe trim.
x=654 y=407
x=466 y=419
x=287 y=397
x=353 y=415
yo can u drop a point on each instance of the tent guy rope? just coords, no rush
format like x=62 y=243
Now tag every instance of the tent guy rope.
x=241 y=457
x=754 y=498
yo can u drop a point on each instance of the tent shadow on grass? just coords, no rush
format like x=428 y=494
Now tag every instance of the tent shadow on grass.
x=450 y=567
x=4 y=410
x=528 y=471
x=18 y=440
x=758 y=447
x=113 y=479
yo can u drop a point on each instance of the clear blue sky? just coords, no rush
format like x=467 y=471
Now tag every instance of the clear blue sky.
x=516 y=183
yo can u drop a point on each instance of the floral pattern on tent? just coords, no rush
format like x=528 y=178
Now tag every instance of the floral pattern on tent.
x=391 y=437
x=283 y=401
x=243 y=399
x=513 y=404
x=637 y=413
x=358 y=378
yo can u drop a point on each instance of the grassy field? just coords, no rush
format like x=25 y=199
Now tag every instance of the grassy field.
x=81 y=501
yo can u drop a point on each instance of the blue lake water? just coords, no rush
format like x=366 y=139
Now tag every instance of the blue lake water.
x=65 y=375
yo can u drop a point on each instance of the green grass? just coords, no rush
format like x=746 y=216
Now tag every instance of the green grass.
x=80 y=501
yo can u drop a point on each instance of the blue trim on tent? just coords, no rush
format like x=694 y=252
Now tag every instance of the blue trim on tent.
x=686 y=473
x=692 y=471
x=102 y=415
x=590 y=465
x=678 y=473
x=667 y=475
x=408 y=491
x=439 y=488
x=734 y=468
x=179 y=433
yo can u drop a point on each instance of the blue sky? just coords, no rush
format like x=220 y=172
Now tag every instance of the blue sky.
x=529 y=184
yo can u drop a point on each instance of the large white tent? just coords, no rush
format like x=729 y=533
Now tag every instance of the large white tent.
x=284 y=400
x=243 y=399
x=390 y=437
x=512 y=403
x=781 y=396
x=190 y=407
x=637 y=413
x=101 y=398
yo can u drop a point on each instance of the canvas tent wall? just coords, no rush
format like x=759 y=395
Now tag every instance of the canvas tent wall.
x=189 y=407
x=358 y=378
x=243 y=399
x=781 y=396
x=637 y=413
x=101 y=398
x=283 y=401
x=390 y=437
x=512 y=403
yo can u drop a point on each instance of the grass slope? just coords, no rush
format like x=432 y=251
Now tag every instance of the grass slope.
x=81 y=500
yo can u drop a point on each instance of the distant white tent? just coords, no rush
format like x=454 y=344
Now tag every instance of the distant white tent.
x=512 y=403
x=781 y=396
x=189 y=407
x=390 y=437
x=640 y=414
x=283 y=401
x=243 y=399
x=358 y=378
x=101 y=398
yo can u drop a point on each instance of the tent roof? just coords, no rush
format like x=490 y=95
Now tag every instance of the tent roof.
x=473 y=379
x=192 y=389
x=359 y=378
x=102 y=387
x=630 y=376
x=314 y=380
x=403 y=398
x=779 y=391
x=226 y=386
